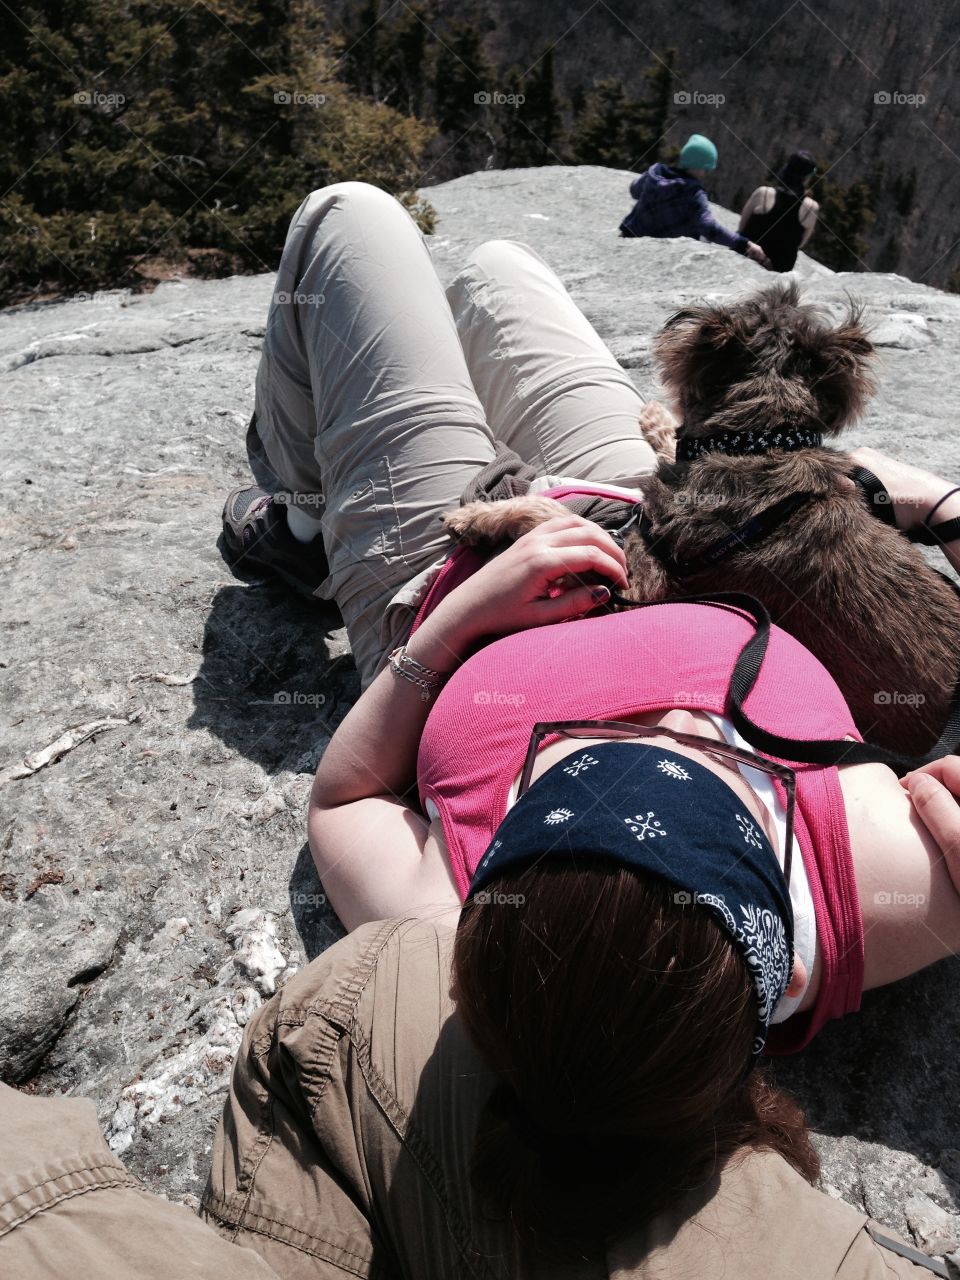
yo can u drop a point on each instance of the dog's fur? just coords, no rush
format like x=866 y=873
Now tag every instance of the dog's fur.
x=849 y=587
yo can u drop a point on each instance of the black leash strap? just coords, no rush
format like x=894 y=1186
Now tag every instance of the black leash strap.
x=822 y=751
x=935 y=535
x=876 y=494
x=881 y=504
x=754 y=530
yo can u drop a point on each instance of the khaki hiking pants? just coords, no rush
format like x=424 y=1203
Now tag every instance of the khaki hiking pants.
x=379 y=396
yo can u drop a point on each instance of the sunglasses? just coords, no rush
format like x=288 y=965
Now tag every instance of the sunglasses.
x=618 y=731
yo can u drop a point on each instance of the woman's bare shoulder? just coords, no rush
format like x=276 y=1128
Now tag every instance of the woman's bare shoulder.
x=909 y=906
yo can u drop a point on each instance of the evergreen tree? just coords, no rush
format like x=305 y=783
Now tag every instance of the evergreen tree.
x=597 y=136
x=405 y=59
x=532 y=132
x=846 y=216
x=904 y=189
x=461 y=72
x=360 y=41
x=385 y=58
x=662 y=78
x=140 y=129
x=615 y=129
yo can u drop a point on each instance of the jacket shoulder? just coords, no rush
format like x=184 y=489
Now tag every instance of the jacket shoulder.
x=335 y=983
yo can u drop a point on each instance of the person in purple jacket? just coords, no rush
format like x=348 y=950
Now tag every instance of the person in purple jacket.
x=671 y=201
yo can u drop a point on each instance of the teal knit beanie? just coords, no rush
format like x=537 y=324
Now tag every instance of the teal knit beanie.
x=698 y=153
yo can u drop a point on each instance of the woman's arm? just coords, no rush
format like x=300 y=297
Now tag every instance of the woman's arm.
x=808 y=219
x=637 y=185
x=935 y=792
x=706 y=227
x=906 y=881
x=368 y=838
x=907 y=871
x=915 y=493
x=753 y=205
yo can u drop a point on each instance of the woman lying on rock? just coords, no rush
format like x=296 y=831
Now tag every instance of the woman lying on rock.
x=650 y=904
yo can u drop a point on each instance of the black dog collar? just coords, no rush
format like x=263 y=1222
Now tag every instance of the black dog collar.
x=689 y=448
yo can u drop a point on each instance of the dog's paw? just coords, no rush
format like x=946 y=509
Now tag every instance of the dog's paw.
x=492 y=524
x=658 y=427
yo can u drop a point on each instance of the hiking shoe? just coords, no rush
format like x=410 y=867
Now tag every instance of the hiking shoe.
x=257 y=539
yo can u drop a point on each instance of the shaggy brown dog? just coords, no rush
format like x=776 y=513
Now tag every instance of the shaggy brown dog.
x=852 y=589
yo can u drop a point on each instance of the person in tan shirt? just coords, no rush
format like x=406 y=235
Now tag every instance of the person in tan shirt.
x=344 y=1151
x=347 y=1138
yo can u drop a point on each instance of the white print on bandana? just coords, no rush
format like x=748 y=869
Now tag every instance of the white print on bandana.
x=766 y=950
x=576 y=767
x=749 y=832
x=645 y=826
x=485 y=860
x=674 y=770
x=556 y=816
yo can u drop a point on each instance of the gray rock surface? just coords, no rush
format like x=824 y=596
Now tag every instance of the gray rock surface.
x=154 y=881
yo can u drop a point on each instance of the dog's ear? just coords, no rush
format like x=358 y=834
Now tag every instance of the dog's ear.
x=701 y=348
x=842 y=380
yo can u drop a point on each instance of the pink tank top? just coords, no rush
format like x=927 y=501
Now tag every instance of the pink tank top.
x=671 y=655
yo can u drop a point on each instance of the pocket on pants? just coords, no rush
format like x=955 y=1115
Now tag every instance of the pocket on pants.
x=362 y=534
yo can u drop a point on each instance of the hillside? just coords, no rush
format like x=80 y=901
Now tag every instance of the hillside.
x=789 y=75
x=154 y=883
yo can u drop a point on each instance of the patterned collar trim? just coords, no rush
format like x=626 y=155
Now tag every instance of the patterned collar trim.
x=733 y=443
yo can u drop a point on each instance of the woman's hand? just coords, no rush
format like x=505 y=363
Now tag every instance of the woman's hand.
x=934 y=790
x=913 y=491
x=535 y=581
x=757 y=254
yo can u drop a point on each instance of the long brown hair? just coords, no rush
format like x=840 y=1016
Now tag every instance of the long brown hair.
x=619 y=1022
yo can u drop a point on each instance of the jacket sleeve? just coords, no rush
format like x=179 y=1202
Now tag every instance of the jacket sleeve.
x=352 y=1110
x=68 y=1207
x=287 y=1177
x=708 y=228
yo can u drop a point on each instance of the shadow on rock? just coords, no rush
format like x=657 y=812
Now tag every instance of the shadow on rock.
x=315 y=919
x=268 y=686
x=887 y=1074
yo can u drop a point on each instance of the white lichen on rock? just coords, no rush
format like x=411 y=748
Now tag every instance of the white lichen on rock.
x=200 y=1068
x=253 y=934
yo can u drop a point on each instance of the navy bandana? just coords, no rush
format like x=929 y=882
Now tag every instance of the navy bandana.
x=646 y=806
x=689 y=448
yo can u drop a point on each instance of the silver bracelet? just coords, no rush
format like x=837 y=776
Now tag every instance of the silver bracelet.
x=410 y=669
